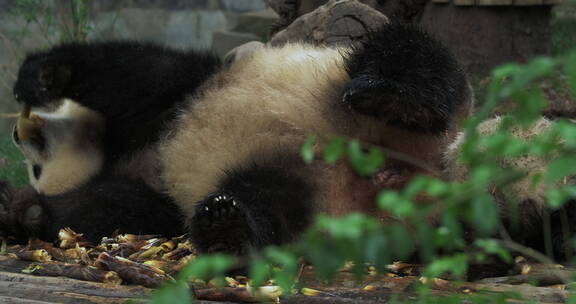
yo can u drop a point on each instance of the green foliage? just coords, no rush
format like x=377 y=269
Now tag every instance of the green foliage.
x=12 y=167
x=563 y=38
x=331 y=242
x=364 y=161
x=307 y=150
x=63 y=20
x=79 y=24
x=213 y=266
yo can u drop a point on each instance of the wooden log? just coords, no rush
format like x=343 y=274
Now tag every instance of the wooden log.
x=12 y=300
x=464 y=2
x=494 y=2
x=64 y=290
x=528 y=2
x=500 y=2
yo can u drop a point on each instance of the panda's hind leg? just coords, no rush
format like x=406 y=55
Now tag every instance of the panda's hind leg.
x=96 y=209
x=406 y=78
x=254 y=207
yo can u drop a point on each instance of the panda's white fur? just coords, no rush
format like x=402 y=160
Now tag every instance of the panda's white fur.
x=72 y=152
x=527 y=189
x=235 y=132
x=286 y=94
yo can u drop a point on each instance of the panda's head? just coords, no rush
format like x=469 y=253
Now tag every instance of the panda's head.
x=63 y=149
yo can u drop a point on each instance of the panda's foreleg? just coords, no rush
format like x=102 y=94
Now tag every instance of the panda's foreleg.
x=96 y=209
x=255 y=207
x=406 y=78
x=125 y=81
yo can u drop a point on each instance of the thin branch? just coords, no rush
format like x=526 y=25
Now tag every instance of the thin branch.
x=525 y=251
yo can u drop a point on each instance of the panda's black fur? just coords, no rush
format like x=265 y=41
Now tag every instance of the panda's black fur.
x=225 y=140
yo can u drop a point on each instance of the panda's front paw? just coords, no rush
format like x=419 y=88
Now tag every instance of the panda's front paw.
x=20 y=212
x=41 y=81
x=220 y=224
x=395 y=103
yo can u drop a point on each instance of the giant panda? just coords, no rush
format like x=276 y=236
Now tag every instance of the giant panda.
x=181 y=143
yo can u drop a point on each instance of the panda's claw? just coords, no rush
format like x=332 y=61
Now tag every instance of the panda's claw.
x=21 y=213
x=220 y=225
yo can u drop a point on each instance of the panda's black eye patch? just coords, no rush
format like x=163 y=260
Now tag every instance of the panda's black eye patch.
x=37 y=171
x=38 y=141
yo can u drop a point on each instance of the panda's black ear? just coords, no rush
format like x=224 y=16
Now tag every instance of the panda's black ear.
x=52 y=76
x=46 y=75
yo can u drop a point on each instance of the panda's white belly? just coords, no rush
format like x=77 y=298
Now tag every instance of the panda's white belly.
x=269 y=102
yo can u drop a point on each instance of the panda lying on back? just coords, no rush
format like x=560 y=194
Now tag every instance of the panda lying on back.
x=166 y=141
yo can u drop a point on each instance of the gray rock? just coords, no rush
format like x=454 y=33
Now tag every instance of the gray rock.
x=338 y=22
x=242 y=51
x=259 y=22
x=225 y=41
x=242 y=6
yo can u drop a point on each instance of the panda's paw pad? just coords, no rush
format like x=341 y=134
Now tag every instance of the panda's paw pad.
x=220 y=225
x=219 y=208
x=20 y=211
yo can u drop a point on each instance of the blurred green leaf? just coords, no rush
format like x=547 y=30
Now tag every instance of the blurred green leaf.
x=493 y=247
x=570 y=69
x=259 y=271
x=307 y=150
x=484 y=214
x=437 y=188
x=395 y=203
x=560 y=168
x=456 y=265
x=557 y=197
x=334 y=150
x=288 y=264
x=531 y=103
x=402 y=242
x=427 y=247
x=174 y=293
x=377 y=250
x=567 y=131
x=364 y=163
x=206 y=267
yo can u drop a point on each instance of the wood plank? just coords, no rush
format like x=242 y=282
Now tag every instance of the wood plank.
x=552 y=2
x=528 y=2
x=464 y=2
x=64 y=290
x=493 y=2
x=12 y=300
x=501 y=2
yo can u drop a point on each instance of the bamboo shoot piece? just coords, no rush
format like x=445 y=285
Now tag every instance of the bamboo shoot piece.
x=69 y=238
x=27 y=123
x=57 y=253
x=131 y=271
x=79 y=272
x=37 y=255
